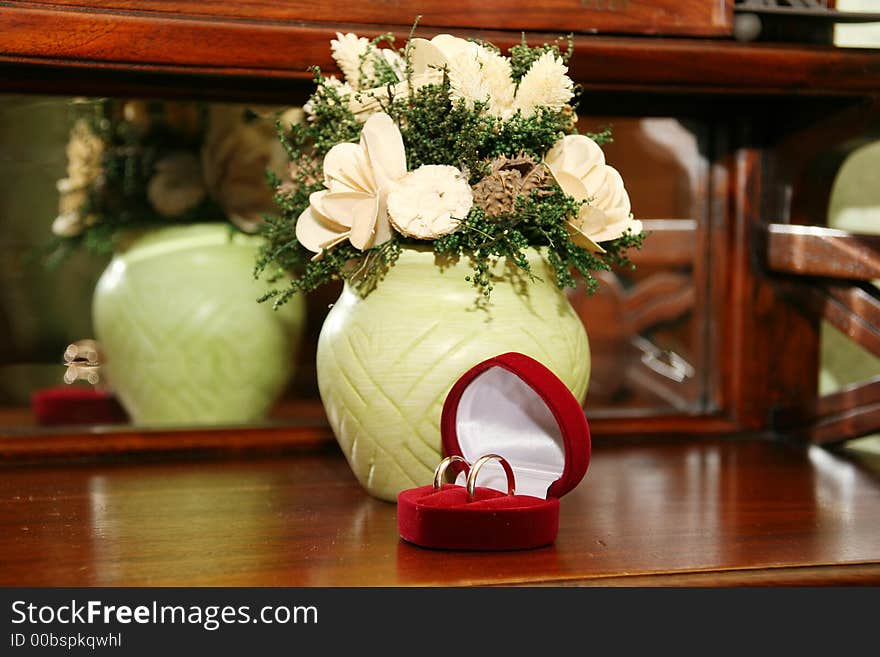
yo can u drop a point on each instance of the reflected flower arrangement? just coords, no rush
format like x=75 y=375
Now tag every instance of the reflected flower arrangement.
x=140 y=164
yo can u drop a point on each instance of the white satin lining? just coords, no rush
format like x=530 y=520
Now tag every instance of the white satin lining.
x=500 y=413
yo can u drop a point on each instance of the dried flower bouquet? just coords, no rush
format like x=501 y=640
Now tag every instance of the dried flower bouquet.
x=448 y=143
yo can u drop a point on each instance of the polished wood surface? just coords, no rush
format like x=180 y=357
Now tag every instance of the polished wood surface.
x=819 y=251
x=687 y=17
x=694 y=513
x=141 y=42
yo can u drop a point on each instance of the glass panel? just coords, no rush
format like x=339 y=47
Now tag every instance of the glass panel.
x=648 y=328
x=855 y=207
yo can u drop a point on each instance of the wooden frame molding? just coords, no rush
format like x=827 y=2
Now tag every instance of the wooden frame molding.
x=663 y=17
x=819 y=251
x=79 y=38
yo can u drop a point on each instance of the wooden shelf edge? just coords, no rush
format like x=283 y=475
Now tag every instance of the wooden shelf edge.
x=856 y=574
x=41 y=446
x=82 y=39
x=110 y=442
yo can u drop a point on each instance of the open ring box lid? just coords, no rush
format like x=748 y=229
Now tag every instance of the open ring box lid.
x=513 y=406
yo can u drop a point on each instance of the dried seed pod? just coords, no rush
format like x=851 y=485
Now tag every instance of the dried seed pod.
x=508 y=179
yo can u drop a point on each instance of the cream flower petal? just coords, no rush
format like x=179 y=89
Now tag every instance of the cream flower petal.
x=571 y=185
x=346 y=163
x=425 y=57
x=498 y=78
x=575 y=153
x=618 y=228
x=365 y=215
x=383 y=143
x=394 y=61
x=466 y=80
x=578 y=165
x=606 y=187
x=347 y=208
x=452 y=46
x=358 y=177
x=365 y=103
x=382 y=230
x=580 y=231
x=315 y=233
x=316 y=201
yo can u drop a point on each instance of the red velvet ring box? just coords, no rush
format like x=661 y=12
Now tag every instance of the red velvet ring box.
x=513 y=406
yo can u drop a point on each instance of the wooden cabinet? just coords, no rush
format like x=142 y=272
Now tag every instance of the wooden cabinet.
x=774 y=122
x=748 y=264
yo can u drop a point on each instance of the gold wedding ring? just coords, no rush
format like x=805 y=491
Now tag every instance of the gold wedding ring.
x=440 y=471
x=475 y=470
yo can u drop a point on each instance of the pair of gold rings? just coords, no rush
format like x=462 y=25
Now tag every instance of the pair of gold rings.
x=472 y=472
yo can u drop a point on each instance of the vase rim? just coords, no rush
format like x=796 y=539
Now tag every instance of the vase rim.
x=139 y=244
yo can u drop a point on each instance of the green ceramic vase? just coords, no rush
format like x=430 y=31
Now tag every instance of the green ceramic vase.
x=386 y=362
x=185 y=341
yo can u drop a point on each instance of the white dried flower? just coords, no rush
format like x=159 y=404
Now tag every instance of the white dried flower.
x=430 y=201
x=137 y=114
x=476 y=73
x=427 y=63
x=235 y=156
x=68 y=224
x=342 y=89
x=292 y=116
x=356 y=58
x=480 y=74
x=85 y=152
x=466 y=80
x=545 y=84
x=177 y=184
x=71 y=199
x=395 y=62
x=578 y=165
x=349 y=51
x=358 y=178
x=498 y=79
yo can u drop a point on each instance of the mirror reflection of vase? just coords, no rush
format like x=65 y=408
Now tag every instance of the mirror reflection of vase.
x=185 y=340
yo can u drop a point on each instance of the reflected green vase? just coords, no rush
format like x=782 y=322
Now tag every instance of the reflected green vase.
x=386 y=362
x=185 y=341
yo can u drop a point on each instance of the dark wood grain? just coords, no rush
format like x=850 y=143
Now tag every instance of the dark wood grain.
x=851 y=412
x=672 y=243
x=851 y=310
x=770 y=360
x=855 y=410
x=819 y=251
x=867 y=392
x=683 y=17
x=852 y=422
x=144 y=42
x=692 y=513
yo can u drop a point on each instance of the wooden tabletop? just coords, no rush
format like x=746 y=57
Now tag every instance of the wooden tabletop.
x=706 y=512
